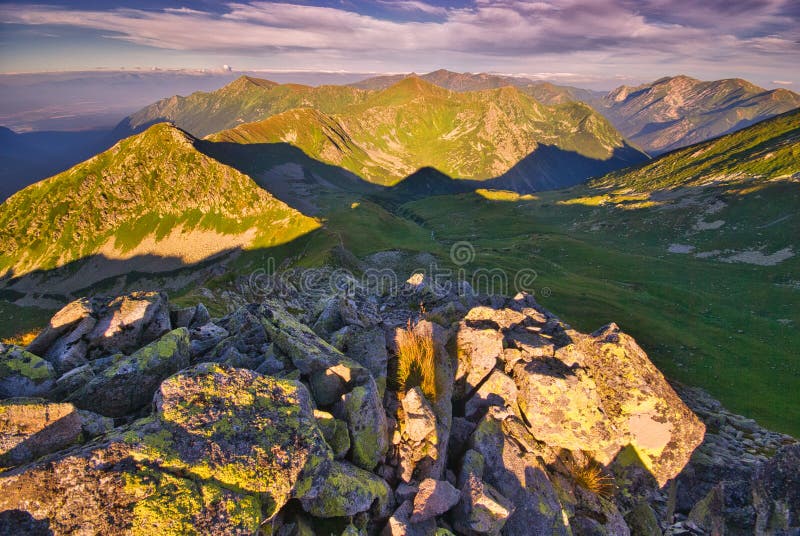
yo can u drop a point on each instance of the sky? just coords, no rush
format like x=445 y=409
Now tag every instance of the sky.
x=597 y=43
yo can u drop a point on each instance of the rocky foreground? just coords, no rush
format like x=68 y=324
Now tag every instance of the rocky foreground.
x=286 y=417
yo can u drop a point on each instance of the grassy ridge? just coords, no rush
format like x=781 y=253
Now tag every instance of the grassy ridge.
x=147 y=185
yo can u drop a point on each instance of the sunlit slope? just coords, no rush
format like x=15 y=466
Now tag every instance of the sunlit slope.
x=765 y=151
x=153 y=193
x=471 y=135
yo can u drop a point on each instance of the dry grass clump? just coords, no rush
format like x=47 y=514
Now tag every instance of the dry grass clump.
x=416 y=363
x=590 y=476
x=22 y=339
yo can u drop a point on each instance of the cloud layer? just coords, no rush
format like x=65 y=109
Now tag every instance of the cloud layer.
x=630 y=37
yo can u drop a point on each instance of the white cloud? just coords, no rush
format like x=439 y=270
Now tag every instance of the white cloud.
x=782 y=82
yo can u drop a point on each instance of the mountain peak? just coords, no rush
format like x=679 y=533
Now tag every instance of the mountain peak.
x=415 y=85
x=247 y=82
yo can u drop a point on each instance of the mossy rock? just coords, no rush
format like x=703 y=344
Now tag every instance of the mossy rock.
x=129 y=382
x=366 y=421
x=23 y=373
x=335 y=432
x=236 y=427
x=347 y=491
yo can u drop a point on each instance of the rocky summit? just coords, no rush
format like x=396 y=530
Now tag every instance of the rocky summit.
x=358 y=413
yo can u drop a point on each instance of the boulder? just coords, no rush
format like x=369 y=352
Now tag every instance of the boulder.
x=347 y=490
x=33 y=427
x=434 y=498
x=129 y=322
x=366 y=421
x=727 y=509
x=367 y=346
x=776 y=493
x=23 y=374
x=225 y=448
x=63 y=342
x=130 y=381
x=611 y=396
x=420 y=421
x=642 y=521
x=419 y=436
x=482 y=509
x=478 y=351
x=514 y=467
x=497 y=390
x=204 y=338
x=400 y=523
x=64 y=321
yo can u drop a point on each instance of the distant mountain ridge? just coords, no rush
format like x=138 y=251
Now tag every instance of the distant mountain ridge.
x=679 y=111
x=478 y=135
x=244 y=100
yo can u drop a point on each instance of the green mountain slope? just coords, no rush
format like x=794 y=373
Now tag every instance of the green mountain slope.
x=475 y=135
x=679 y=111
x=244 y=100
x=151 y=195
x=765 y=151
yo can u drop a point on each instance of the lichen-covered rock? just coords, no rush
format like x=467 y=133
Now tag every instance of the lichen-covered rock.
x=130 y=381
x=434 y=498
x=366 y=421
x=62 y=322
x=600 y=394
x=23 y=374
x=308 y=352
x=482 y=509
x=225 y=448
x=776 y=493
x=335 y=432
x=514 y=469
x=346 y=491
x=33 y=427
x=204 y=338
x=367 y=346
x=246 y=431
x=419 y=440
x=497 y=390
x=563 y=406
x=128 y=322
x=103 y=489
x=478 y=351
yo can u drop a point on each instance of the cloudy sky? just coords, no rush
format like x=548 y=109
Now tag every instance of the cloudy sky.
x=599 y=43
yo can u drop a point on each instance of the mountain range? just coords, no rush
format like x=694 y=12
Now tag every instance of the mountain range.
x=660 y=116
x=498 y=134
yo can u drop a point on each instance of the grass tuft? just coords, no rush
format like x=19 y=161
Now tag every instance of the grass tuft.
x=590 y=476
x=416 y=365
x=22 y=339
